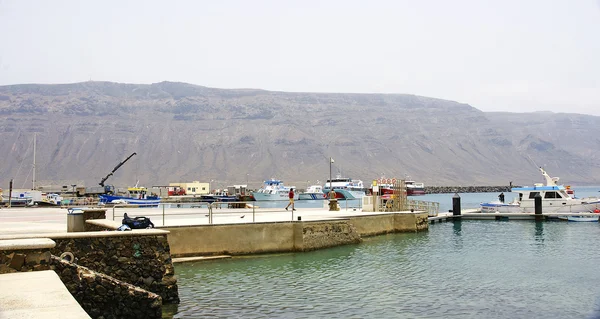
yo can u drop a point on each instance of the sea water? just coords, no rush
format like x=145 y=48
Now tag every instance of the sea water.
x=472 y=200
x=460 y=269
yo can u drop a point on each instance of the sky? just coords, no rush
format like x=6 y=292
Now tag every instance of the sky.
x=502 y=55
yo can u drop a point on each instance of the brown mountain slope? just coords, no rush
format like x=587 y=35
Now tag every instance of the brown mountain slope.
x=183 y=132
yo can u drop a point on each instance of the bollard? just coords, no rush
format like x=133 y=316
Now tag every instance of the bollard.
x=538 y=207
x=456 y=205
x=299 y=218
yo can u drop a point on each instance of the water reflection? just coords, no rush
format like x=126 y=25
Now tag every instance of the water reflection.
x=539 y=233
x=459 y=269
x=457 y=226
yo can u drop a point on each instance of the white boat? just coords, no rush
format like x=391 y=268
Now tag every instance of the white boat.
x=345 y=188
x=580 y=218
x=555 y=199
x=274 y=189
x=413 y=188
x=313 y=192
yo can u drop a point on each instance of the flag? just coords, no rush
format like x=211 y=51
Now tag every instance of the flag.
x=332 y=161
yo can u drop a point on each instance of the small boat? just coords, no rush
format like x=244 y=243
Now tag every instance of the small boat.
x=580 y=218
x=313 y=192
x=555 y=199
x=414 y=189
x=345 y=188
x=17 y=199
x=135 y=196
x=218 y=197
x=50 y=200
x=274 y=189
x=386 y=187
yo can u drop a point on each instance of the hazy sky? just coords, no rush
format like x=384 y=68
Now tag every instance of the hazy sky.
x=497 y=55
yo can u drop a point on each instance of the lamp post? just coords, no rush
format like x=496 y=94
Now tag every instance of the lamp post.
x=73 y=185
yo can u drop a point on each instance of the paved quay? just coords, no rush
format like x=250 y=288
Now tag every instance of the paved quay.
x=23 y=221
x=37 y=294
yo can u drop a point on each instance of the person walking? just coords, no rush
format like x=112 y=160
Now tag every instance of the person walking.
x=291 y=196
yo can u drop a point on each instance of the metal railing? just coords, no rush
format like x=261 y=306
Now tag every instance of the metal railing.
x=164 y=210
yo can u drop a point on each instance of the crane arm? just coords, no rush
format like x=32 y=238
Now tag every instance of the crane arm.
x=115 y=169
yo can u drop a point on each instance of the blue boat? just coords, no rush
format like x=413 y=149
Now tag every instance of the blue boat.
x=135 y=196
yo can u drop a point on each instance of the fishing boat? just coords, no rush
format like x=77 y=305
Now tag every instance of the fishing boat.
x=414 y=189
x=273 y=189
x=135 y=196
x=555 y=199
x=345 y=188
x=313 y=192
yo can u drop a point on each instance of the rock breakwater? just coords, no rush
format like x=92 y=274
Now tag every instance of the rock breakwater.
x=466 y=189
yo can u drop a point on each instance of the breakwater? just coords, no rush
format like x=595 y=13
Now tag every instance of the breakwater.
x=466 y=189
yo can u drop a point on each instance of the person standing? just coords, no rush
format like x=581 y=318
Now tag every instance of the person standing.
x=291 y=196
x=501 y=197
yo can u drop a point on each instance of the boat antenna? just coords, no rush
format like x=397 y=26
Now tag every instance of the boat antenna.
x=533 y=162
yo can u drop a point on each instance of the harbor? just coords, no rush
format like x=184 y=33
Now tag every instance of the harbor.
x=170 y=236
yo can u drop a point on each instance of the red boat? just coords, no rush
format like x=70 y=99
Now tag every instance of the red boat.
x=413 y=189
x=386 y=187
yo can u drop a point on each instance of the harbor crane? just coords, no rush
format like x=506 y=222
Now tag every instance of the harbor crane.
x=115 y=169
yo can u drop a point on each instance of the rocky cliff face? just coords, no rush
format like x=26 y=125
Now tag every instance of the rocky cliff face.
x=183 y=132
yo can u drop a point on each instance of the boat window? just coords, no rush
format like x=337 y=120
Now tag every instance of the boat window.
x=520 y=196
x=551 y=195
x=533 y=194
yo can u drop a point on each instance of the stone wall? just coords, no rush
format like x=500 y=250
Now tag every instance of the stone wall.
x=24 y=260
x=143 y=261
x=317 y=235
x=105 y=297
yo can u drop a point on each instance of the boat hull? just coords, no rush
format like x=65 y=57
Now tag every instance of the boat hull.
x=415 y=191
x=312 y=196
x=266 y=197
x=547 y=207
x=350 y=194
x=580 y=218
x=213 y=198
x=148 y=202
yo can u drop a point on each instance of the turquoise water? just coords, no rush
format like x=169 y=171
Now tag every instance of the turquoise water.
x=469 y=269
x=472 y=200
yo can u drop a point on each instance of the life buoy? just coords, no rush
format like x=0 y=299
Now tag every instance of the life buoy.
x=597 y=211
x=393 y=181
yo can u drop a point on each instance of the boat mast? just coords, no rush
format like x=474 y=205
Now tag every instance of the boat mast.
x=33 y=178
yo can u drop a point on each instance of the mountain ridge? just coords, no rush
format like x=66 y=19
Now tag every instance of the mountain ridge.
x=185 y=132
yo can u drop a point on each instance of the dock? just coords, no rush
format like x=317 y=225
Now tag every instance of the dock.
x=475 y=214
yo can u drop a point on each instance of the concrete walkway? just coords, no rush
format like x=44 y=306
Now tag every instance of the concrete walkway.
x=38 y=294
x=45 y=220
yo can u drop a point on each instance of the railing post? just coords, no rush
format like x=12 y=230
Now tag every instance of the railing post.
x=163 y=209
x=253 y=213
x=113 y=209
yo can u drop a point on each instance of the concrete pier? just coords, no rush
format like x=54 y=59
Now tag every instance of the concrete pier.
x=37 y=294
